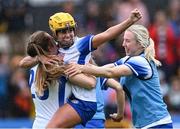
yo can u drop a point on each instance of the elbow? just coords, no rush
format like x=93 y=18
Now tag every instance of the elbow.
x=21 y=64
x=91 y=85
x=120 y=90
x=92 y=82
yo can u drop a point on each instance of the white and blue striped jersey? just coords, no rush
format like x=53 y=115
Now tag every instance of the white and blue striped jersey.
x=47 y=105
x=80 y=52
x=143 y=91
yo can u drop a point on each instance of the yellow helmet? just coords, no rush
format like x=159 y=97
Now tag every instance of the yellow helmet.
x=60 y=21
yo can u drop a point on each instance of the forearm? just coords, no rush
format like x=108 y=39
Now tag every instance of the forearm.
x=95 y=70
x=120 y=101
x=82 y=80
x=120 y=96
x=116 y=30
x=98 y=71
x=28 y=62
x=108 y=65
x=111 y=33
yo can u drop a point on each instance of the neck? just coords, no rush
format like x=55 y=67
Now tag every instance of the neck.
x=139 y=52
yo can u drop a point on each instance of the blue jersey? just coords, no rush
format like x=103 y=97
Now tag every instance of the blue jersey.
x=143 y=91
x=79 y=52
x=99 y=118
x=100 y=86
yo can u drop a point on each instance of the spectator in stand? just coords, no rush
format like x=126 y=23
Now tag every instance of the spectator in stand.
x=163 y=35
x=174 y=10
x=4 y=75
x=15 y=12
x=124 y=7
x=20 y=103
x=174 y=94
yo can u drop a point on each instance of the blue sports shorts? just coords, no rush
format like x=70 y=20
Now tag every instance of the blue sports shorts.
x=85 y=109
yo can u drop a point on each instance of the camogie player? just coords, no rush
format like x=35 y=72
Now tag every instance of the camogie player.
x=138 y=76
x=79 y=50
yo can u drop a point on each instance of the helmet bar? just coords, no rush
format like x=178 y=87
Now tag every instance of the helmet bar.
x=65 y=30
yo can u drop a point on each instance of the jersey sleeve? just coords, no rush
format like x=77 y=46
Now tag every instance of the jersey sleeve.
x=140 y=67
x=121 y=61
x=85 y=44
x=103 y=83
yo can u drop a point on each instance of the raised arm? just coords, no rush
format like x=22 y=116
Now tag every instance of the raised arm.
x=116 y=30
x=120 y=96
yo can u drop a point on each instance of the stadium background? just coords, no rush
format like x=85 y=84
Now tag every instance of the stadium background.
x=19 y=18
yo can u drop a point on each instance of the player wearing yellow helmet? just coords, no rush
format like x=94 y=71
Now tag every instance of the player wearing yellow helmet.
x=62 y=22
x=79 y=50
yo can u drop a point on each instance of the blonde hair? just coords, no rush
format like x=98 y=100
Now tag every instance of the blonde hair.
x=142 y=36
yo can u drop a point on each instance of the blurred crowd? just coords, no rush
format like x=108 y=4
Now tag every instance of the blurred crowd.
x=19 y=18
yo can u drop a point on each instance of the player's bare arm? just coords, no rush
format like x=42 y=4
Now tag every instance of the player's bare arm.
x=29 y=62
x=120 y=96
x=88 y=82
x=121 y=70
x=116 y=30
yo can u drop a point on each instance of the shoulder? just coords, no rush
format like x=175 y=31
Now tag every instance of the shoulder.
x=86 y=38
x=140 y=67
x=138 y=60
x=84 y=43
x=121 y=61
x=34 y=68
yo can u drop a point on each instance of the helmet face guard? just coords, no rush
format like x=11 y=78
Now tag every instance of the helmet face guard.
x=64 y=30
x=61 y=21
